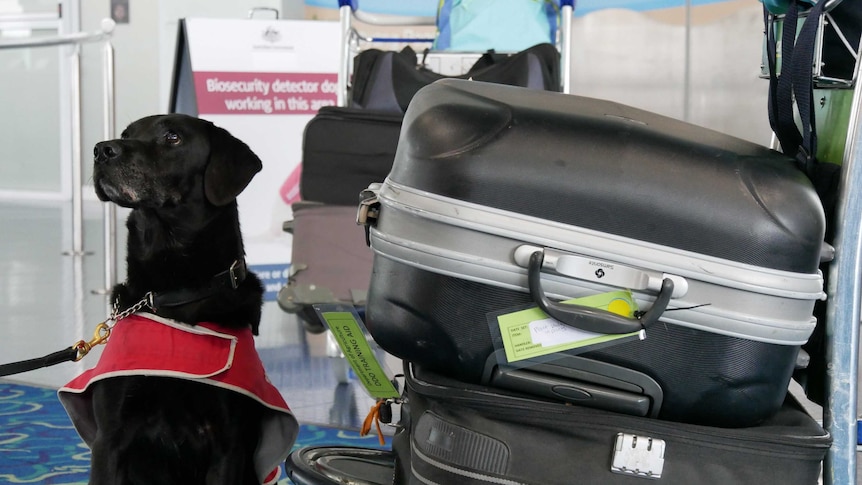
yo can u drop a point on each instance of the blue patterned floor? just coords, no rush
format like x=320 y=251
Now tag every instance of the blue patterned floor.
x=39 y=445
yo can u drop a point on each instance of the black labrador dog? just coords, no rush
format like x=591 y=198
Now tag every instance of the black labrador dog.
x=185 y=265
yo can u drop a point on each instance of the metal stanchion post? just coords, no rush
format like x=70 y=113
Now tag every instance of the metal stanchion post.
x=77 y=169
x=843 y=311
x=344 y=63
x=566 y=45
x=109 y=121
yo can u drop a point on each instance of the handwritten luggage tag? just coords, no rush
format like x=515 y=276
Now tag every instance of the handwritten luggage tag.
x=530 y=333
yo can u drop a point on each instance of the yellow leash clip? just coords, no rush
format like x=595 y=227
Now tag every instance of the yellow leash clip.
x=100 y=336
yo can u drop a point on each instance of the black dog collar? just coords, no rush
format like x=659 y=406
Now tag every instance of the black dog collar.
x=229 y=279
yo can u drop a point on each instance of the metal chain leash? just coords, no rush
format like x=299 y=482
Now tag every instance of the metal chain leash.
x=103 y=330
x=116 y=315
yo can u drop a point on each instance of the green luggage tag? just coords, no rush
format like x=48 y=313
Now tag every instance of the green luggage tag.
x=359 y=351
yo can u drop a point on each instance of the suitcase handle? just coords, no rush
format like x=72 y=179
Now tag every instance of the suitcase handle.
x=593 y=319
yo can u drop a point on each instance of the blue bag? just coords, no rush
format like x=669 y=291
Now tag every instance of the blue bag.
x=500 y=25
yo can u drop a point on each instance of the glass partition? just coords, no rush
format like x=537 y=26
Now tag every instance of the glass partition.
x=31 y=101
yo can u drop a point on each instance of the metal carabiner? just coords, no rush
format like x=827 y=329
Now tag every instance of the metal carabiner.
x=100 y=336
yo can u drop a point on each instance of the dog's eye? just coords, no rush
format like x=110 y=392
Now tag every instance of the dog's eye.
x=172 y=138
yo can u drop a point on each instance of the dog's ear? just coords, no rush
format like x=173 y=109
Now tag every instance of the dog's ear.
x=230 y=168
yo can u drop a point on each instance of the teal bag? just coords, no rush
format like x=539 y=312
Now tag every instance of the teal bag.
x=779 y=7
x=501 y=25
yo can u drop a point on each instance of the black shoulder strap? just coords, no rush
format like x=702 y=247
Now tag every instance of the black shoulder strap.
x=794 y=83
x=781 y=88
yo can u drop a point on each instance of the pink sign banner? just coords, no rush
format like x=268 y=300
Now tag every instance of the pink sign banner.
x=226 y=93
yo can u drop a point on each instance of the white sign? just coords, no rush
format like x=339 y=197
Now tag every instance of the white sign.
x=263 y=80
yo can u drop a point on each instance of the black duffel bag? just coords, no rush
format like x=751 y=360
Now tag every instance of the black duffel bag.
x=455 y=433
x=387 y=80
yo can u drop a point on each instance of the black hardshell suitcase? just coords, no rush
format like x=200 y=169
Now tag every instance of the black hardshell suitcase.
x=456 y=433
x=501 y=197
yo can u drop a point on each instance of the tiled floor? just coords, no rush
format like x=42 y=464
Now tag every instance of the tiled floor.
x=47 y=302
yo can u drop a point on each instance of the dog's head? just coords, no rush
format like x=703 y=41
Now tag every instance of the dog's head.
x=164 y=161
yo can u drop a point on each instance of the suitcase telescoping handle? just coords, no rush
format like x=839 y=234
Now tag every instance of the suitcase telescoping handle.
x=593 y=319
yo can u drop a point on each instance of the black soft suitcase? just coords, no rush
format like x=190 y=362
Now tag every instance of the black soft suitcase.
x=330 y=262
x=456 y=433
x=344 y=150
x=502 y=197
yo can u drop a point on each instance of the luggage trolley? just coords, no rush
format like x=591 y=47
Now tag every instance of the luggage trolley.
x=447 y=63
x=842 y=314
x=299 y=299
x=303 y=290
x=843 y=311
x=835 y=71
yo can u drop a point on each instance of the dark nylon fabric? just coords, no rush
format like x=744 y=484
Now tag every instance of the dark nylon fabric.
x=540 y=442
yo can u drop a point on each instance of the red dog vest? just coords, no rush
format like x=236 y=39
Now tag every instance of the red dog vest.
x=145 y=344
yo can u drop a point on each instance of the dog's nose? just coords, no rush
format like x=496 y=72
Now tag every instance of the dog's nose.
x=106 y=151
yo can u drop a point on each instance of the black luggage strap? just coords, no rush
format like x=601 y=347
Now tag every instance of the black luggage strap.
x=794 y=82
x=797 y=62
x=803 y=85
x=781 y=89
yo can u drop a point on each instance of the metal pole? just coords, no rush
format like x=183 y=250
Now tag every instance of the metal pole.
x=77 y=169
x=686 y=89
x=843 y=310
x=373 y=19
x=68 y=39
x=344 y=62
x=109 y=120
x=566 y=47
